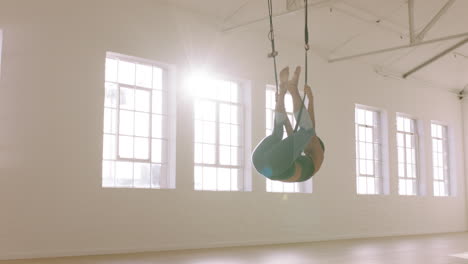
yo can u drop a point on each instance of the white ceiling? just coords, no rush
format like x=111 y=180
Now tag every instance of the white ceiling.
x=346 y=27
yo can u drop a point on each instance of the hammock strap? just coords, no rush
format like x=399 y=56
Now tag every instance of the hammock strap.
x=274 y=53
x=306 y=49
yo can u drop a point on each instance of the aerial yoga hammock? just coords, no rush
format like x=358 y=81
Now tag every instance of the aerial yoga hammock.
x=300 y=155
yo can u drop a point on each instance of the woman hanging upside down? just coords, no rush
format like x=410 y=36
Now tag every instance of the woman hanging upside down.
x=299 y=156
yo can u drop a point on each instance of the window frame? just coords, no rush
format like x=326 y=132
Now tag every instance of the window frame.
x=167 y=115
x=446 y=159
x=416 y=137
x=382 y=141
x=244 y=181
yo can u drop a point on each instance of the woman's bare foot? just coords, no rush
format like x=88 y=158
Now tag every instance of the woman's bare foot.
x=308 y=91
x=292 y=84
x=284 y=80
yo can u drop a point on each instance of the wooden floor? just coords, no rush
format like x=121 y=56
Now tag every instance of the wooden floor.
x=429 y=249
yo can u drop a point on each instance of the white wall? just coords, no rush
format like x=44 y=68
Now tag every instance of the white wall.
x=51 y=113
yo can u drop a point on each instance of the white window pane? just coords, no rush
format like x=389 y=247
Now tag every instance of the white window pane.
x=157 y=78
x=370 y=167
x=198 y=155
x=127 y=72
x=157 y=173
x=407 y=122
x=362 y=134
x=369 y=134
x=269 y=95
x=401 y=155
x=235 y=156
x=235 y=174
x=109 y=147
x=209 y=179
x=111 y=70
x=409 y=141
x=224 y=179
x=369 y=151
x=409 y=153
x=141 y=175
x=234 y=92
x=225 y=134
x=401 y=170
x=360 y=116
x=209 y=154
x=436 y=189
x=369 y=118
x=124 y=174
x=400 y=124
x=441 y=173
x=439 y=131
x=288 y=103
x=439 y=146
x=402 y=187
x=198 y=131
x=289 y=187
x=158 y=151
x=198 y=178
x=126 y=123
x=409 y=171
x=142 y=100
x=108 y=173
x=436 y=173
x=209 y=132
x=126 y=147
x=362 y=150
x=362 y=167
x=159 y=105
x=410 y=187
x=111 y=95
x=235 y=135
x=144 y=75
x=224 y=155
x=269 y=119
x=223 y=90
x=127 y=98
x=141 y=148
x=205 y=110
x=362 y=185
x=224 y=113
x=158 y=128
x=371 y=185
x=400 y=140
x=142 y=123
x=110 y=121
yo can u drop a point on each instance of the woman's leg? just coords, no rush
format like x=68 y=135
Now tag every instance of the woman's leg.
x=310 y=106
x=298 y=106
x=314 y=149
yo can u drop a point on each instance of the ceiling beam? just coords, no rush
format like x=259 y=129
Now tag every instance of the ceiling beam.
x=397 y=47
x=411 y=20
x=317 y=4
x=435 y=58
x=442 y=11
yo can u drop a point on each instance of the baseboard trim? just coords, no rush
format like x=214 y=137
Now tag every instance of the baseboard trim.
x=191 y=246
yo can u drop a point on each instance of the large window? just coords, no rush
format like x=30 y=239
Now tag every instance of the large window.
x=440 y=166
x=219 y=135
x=136 y=139
x=407 y=145
x=277 y=186
x=369 y=162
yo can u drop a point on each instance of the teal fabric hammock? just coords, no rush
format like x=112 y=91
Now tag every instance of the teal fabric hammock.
x=287 y=159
